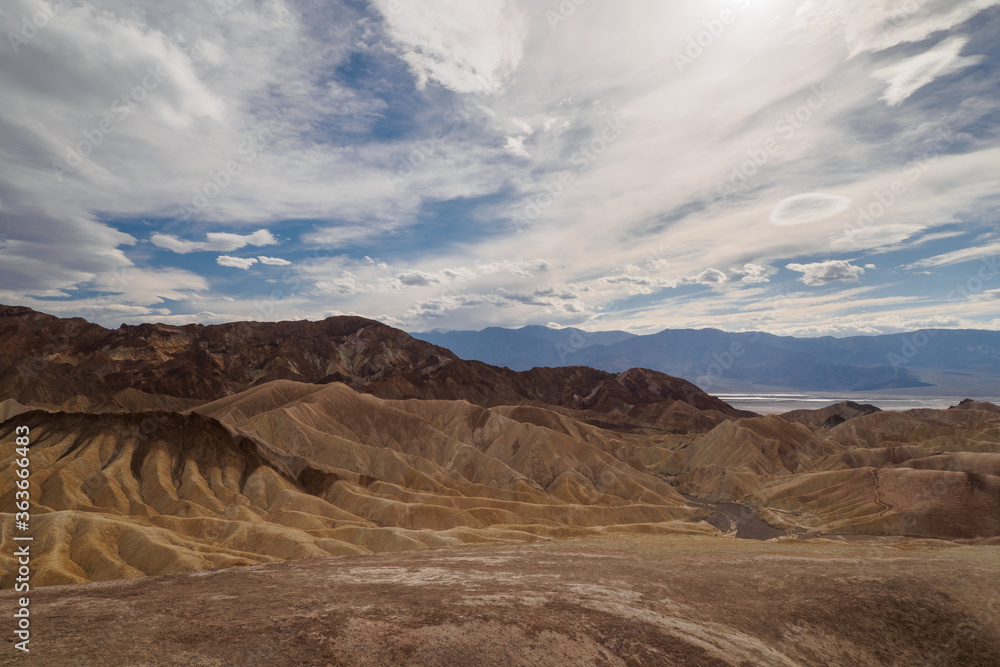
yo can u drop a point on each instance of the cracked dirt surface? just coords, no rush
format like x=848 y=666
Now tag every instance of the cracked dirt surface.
x=622 y=600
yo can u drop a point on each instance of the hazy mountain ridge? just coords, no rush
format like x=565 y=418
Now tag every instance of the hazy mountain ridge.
x=712 y=358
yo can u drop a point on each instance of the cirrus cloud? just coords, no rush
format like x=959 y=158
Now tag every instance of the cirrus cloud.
x=754 y=274
x=908 y=76
x=706 y=277
x=467 y=47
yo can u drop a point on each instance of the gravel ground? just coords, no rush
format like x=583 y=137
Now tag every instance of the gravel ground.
x=616 y=600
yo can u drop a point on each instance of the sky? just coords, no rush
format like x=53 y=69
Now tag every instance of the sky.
x=807 y=167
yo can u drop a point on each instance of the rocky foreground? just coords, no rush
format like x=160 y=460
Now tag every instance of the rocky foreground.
x=626 y=600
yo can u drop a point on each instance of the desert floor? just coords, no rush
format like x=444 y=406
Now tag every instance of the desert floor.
x=606 y=600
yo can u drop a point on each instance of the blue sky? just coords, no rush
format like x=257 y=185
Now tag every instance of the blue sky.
x=802 y=167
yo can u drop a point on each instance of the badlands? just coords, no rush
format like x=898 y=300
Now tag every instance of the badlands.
x=338 y=492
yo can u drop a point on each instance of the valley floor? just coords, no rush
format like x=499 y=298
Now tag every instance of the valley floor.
x=603 y=600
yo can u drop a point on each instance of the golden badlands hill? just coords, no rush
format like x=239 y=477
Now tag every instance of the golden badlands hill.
x=292 y=470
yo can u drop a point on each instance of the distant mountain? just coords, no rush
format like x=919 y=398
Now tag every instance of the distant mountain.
x=521 y=349
x=721 y=361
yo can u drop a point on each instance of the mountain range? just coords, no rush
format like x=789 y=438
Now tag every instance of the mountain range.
x=74 y=363
x=948 y=362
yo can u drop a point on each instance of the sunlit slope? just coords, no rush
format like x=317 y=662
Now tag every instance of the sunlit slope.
x=289 y=470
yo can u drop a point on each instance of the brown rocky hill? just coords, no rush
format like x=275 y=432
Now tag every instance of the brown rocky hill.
x=290 y=470
x=830 y=416
x=75 y=364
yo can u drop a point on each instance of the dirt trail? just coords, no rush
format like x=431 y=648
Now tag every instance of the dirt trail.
x=741 y=518
x=878 y=496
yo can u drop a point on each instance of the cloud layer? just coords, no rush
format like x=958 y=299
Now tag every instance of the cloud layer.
x=456 y=164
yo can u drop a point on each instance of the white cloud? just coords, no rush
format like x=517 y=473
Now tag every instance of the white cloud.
x=236 y=262
x=273 y=261
x=877 y=25
x=638 y=283
x=908 y=76
x=467 y=47
x=150 y=114
x=196 y=134
x=809 y=207
x=956 y=257
x=515 y=146
x=341 y=236
x=706 y=277
x=522 y=126
x=216 y=241
x=133 y=285
x=417 y=278
x=885 y=236
x=754 y=274
x=823 y=273
x=505 y=73
x=523 y=268
x=126 y=292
